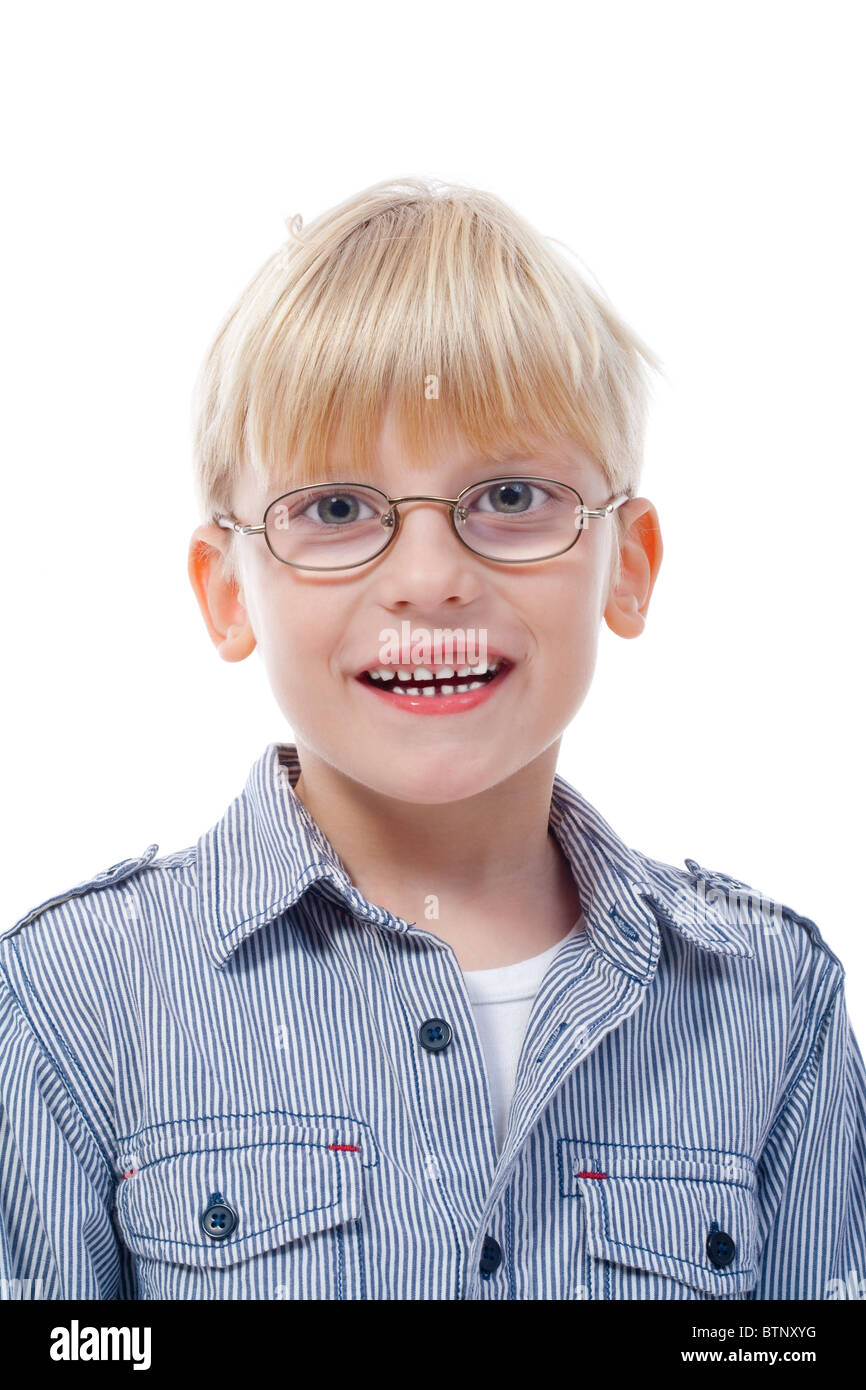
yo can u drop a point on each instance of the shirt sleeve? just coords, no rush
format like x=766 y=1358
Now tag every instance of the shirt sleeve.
x=57 y=1186
x=813 y=1173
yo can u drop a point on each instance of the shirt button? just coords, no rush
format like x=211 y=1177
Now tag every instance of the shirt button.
x=434 y=1034
x=491 y=1255
x=720 y=1248
x=218 y=1220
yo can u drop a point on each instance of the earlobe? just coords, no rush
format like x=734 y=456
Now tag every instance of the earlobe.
x=640 y=558
x=238 y=642
x=624 y=617
x=218 y=598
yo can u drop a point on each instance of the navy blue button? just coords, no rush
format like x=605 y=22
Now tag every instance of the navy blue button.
x=720 y=1248
x=491 y=1255
x=218 y=1220
x=434 y=1034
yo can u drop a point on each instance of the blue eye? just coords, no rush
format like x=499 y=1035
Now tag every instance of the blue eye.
x=338 y=509
x=510 y=498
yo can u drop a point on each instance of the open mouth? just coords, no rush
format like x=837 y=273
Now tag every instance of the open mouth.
x=433 y=681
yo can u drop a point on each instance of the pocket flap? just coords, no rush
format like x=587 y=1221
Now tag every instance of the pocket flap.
x=688 y=1214
x=264 y=1183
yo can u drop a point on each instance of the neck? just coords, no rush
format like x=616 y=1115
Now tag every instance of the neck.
x=482 y=873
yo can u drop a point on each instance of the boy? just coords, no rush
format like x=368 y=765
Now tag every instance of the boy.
x=410 y=1021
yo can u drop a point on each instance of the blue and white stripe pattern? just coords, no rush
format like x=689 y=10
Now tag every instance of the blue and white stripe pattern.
x=213 y=1085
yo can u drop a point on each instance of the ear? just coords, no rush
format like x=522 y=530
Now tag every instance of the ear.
x=640 y=557
x=219 y=597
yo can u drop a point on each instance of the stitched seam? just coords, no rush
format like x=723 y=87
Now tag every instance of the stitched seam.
x=235 y=1148
x=818 y=1041
x=106 y=878
x=178 y=859
x=411 y=1033
x=139 y=1134
x=611 y=1144
x=338 y=1240
x=595 y=1027
x=721 y=938
x=281 y=904
x=618 y=965
x=572 y=983
x=561 y=993
x=509 y=1242
x=653 y=1177
x=807 y=1020
x=676 y=1259
x=56 y=1067
x=250 y=1235
x=64 y=1045
x=91 y=886
x=360 y=1227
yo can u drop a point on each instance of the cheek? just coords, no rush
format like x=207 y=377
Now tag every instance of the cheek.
x=296 y=633
x=572 y=630
x=577 y=651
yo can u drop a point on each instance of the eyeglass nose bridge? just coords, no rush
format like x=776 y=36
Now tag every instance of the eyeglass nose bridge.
x=393 y=517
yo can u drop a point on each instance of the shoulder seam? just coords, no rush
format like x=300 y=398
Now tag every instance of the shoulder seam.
x=56 y=1067
x=117 y=873
x=817 y=1041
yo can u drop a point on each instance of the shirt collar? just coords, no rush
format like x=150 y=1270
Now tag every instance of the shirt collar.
x=626 y=895
x=266 y=851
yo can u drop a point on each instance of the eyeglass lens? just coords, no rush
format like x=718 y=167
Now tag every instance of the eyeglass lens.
x=512 y=519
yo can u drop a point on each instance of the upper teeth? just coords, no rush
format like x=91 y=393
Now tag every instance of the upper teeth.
x=422 y=673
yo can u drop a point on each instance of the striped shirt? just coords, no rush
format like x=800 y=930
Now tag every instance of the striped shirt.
x=225 y=1074
x=501 y=1000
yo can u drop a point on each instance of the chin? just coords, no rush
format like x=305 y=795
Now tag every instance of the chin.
x=434 y=780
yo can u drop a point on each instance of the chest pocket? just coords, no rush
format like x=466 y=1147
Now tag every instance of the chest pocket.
x=662 y=1222
x=246 y=1208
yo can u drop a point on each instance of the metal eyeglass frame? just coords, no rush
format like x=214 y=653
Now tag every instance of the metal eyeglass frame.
x=392 y=518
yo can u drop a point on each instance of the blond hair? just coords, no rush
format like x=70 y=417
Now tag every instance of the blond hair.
x=436 y=300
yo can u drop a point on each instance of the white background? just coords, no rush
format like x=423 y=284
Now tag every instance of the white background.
x=704 y=160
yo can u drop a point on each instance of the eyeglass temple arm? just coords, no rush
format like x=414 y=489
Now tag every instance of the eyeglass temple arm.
x=611 y=506
x=230 y=525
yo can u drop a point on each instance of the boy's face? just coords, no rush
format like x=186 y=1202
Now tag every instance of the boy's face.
x=318 y=632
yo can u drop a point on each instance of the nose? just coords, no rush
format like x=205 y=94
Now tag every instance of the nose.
x=422 y=521
x=427 y=563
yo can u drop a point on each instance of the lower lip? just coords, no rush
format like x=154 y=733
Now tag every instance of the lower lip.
x=440 y=704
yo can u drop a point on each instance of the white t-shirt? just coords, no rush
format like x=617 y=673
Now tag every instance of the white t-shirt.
x=501 y=1002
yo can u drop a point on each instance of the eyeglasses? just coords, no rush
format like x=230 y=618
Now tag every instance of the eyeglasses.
x=337 y=526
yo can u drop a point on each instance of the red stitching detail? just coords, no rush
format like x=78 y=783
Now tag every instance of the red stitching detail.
x=346 y=1148
x=130 y=1173
x=592 y=1175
